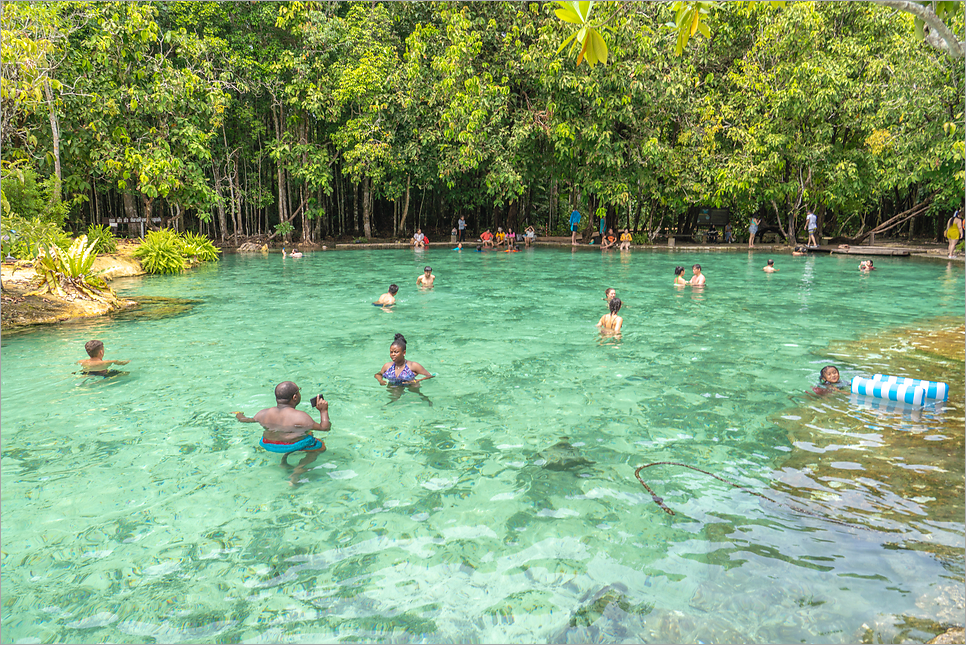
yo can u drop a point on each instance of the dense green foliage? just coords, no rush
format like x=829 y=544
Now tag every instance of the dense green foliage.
x=198 y=247
x=313 y=119
x=165 y=251
x=24 y=238
x=102 y=238
x=160 y=252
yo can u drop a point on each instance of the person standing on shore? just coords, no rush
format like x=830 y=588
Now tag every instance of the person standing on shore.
x=811 y=222
x=753 y=231
x=461 y=229
x=574 y=225
x=954 y=233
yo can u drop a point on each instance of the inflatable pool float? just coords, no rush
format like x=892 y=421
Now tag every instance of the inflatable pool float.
x=934 y=390
x=912 y=394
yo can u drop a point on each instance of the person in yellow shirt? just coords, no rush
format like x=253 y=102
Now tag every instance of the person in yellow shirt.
x=500 y=237
x=625 y=241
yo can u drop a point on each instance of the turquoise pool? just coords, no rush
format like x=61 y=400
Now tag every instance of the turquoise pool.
x=501 y=505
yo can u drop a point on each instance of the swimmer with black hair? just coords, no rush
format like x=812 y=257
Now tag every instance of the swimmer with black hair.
x=770 y=267
x=697 y=280
x=611 y=323
x=388 y=299
x=399 y=372
x=679 y=280
x=96 y=365
x=829 y=380
x=426 y=280
x=830 y=375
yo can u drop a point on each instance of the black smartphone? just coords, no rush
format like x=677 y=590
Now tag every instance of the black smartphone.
x=315 y=400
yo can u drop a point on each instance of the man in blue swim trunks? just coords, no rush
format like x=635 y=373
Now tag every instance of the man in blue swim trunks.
x=288 y=430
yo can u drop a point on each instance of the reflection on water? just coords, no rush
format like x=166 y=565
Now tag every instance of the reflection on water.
x=507 y=511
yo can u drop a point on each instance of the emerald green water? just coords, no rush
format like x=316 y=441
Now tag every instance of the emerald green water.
x=136 y=509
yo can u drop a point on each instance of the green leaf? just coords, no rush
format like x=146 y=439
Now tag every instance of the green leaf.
x=598 y=48
x=567 y=15
x=572 y=36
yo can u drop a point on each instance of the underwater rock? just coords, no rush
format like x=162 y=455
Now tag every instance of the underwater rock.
x=954 y=635
x=561 y=456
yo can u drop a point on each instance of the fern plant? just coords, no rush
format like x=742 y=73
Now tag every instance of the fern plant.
x=198 y=246
x=102 y=237
x=70 y=273
x=160 y=252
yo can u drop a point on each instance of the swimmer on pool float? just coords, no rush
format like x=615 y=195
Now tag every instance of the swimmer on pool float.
x=388 y=299
x=697 y=280
x=770 y=267
x=611 y=323
x=679 y=280
x=96 y=365
x=426 y=280
x=399 y=371
x=288 y=430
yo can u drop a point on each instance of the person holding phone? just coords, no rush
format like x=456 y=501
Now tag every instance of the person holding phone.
x=288 y=430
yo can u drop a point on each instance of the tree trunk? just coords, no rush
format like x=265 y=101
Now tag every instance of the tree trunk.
x=405 y=210
x=55 y=195
x=356 y=189
x=367 y=207
x=130 y=209
x=896 y=220
x=511 y=215
x=148 y=204
x=280 y=170
x=220 y=203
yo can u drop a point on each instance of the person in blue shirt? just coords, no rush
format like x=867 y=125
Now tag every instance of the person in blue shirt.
x=574 y=225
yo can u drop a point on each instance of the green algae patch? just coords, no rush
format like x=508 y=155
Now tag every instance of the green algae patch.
x=154 y=308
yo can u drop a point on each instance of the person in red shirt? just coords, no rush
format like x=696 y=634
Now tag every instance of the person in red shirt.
x=487 y=238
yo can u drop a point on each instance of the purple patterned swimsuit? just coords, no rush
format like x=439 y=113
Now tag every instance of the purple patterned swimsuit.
x=399 y=377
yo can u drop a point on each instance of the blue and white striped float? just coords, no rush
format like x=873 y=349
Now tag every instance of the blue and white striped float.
x=912 y=394
x=933 y=389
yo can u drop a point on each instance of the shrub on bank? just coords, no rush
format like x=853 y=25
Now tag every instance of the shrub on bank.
x=102 y=237
x=25 y=237
x=165 y=251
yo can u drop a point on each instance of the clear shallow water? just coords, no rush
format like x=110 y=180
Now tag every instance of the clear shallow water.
x=137 y=509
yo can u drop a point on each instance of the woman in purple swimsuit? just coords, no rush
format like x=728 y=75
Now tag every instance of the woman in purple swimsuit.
x=399 y=371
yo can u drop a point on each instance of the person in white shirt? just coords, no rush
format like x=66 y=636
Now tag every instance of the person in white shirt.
x=811 y=222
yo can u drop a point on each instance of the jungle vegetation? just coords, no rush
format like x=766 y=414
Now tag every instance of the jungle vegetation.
x=308 y=120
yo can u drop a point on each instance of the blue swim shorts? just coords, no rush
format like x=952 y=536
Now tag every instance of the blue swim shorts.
x=305 y=443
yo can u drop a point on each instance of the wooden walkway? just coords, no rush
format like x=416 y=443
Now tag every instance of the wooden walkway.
x=860 y=250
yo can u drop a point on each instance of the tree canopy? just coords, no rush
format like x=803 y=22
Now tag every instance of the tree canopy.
x=320 y=119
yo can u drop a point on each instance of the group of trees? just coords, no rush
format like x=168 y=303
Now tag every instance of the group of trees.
x=320 y=119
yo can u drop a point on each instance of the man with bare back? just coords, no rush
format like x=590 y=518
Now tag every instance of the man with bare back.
x=288 y=430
